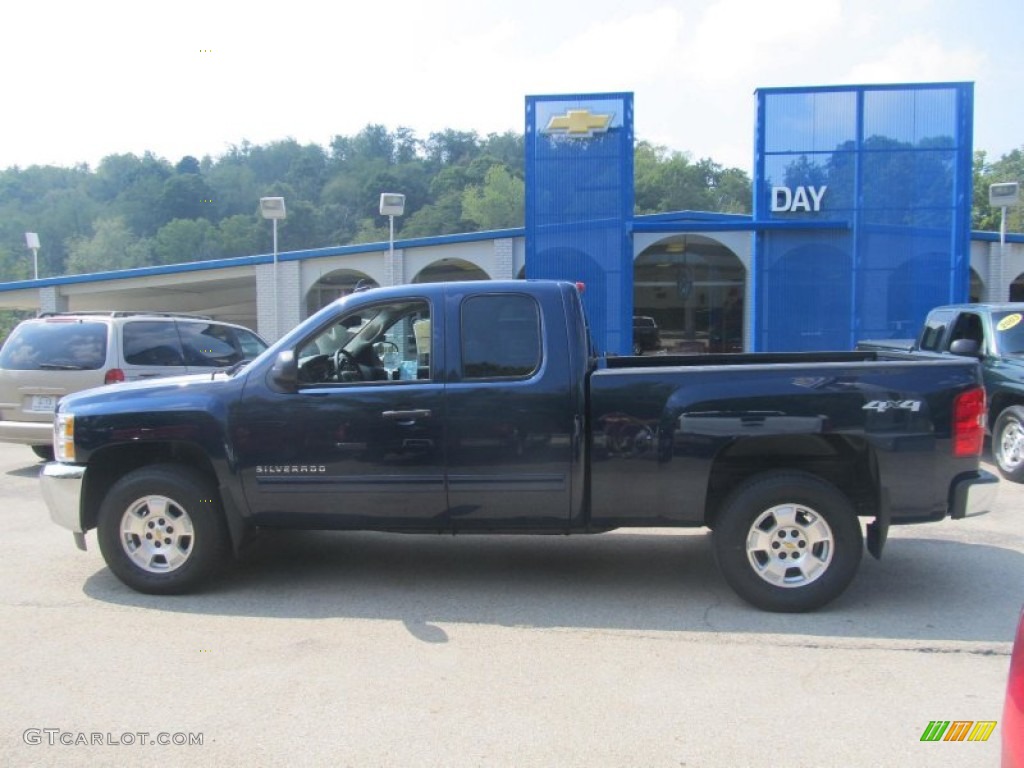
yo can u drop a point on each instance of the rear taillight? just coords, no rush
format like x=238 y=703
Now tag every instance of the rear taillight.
x=969 y=423
x=113 y=376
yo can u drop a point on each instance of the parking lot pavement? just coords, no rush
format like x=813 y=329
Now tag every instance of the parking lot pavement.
x=378 y=650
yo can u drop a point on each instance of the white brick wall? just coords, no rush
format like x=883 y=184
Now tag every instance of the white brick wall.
x=50 y=300
x=504 y=259
x=1003 y=268
x=289 y=299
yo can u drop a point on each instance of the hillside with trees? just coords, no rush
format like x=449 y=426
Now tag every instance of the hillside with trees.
x=135 y=211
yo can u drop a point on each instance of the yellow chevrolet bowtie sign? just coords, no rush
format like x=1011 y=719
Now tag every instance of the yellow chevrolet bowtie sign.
x=578 y=123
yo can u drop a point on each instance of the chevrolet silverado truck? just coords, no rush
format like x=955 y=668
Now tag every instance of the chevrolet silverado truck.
x=993 y=334
x=481 y=407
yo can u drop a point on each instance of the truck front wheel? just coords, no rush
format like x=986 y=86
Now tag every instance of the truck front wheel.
x=161 y=530
x=788 y=542
x=1008 y=443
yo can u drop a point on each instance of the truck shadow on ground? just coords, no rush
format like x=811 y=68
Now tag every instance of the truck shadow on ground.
x=922 y=590
x=30 y=471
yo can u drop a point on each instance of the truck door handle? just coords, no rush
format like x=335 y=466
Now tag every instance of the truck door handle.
x=406 y=417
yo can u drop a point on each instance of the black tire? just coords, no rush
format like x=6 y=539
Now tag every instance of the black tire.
x=810 y=520
x=161 y=530
x=44 y=452
x=637 y=349
x=1008 y=443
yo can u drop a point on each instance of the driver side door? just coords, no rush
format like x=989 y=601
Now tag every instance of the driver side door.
x=357 y=445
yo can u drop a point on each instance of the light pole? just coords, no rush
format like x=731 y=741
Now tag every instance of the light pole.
x=391 y=204
x=32 y=241
x=1002 y=196
x=273 y=208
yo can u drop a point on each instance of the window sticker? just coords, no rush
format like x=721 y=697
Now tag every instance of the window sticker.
x=1010 y=321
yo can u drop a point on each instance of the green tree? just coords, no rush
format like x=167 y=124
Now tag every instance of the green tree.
x=234 y=188
x=498 y=204
x=302 y=227
x=1010 y=167
x=369 y=231
x=669 y=181
x=307 y=172
x=14 y=265
x=183 y=240
x=241 y=235
x=507 y=148
x=450 y=147
x=188 y=164
x=112 y=246
x=443 y=217
x=187 y=196
x=133 y=186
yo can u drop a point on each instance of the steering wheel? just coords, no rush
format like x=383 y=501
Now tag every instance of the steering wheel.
x=344 y=361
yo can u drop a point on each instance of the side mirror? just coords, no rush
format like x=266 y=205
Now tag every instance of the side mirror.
x=965 y=348
x=284 y=375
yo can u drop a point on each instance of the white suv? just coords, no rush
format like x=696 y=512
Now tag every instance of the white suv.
x=53 y=355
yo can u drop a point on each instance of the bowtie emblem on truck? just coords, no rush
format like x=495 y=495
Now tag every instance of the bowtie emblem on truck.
x=881 y=406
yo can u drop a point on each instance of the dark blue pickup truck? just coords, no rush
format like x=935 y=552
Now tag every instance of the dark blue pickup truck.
x=480 y=407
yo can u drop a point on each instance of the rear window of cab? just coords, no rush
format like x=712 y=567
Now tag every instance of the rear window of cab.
x=55 y=344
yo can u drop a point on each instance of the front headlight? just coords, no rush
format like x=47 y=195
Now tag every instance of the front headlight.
x=64 y=437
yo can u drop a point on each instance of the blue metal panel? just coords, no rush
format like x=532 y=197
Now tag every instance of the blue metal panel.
x=579 y=202
x=894 y=162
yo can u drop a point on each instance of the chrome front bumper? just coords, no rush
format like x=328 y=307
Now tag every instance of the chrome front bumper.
x=62 y=491
x=973 y=494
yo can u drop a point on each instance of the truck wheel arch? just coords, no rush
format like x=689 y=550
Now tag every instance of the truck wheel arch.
x=107 y=466
x=850 y=465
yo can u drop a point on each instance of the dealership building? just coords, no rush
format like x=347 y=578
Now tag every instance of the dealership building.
x=861 y=223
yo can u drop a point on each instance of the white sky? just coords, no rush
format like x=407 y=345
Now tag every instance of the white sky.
x=88 y=79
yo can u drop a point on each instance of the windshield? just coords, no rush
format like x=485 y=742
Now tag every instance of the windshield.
x=1009 y=333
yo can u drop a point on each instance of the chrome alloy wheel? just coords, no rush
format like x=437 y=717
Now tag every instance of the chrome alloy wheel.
x=1011 y=446
x=157 y=534
x=790 y=545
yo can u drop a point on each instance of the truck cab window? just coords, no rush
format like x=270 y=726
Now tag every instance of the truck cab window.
x=379 y=343
x=934 y=330
x=968 y=326
x=500 y=337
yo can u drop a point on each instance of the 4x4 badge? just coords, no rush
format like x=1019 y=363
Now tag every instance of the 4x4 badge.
x=893 y=405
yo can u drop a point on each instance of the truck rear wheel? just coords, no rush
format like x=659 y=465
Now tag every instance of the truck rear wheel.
x=161 y=530
x=788 y=542
x=1008 y=443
